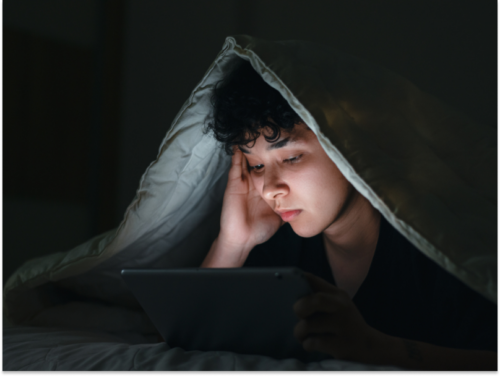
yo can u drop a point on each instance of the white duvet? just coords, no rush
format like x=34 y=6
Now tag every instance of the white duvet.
x=51 y=349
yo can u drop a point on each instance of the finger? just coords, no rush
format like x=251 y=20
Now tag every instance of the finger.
x=244 y=165
x=324 y=343
x=235 y=171
x=317 y=302
x=319 y=323
x=247 y=176
x=319 y=284
x=251 y=186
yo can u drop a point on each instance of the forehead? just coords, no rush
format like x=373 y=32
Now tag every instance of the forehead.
x=300 y=134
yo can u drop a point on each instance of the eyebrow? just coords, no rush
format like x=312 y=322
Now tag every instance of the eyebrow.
x=276 y=145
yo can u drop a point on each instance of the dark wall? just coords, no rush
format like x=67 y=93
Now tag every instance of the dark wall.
x=62 y=95
x=91 y=87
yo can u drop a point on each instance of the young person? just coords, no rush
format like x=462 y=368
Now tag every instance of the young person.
x=377 y=298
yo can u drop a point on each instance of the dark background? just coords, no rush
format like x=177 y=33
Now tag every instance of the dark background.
x=91 y=87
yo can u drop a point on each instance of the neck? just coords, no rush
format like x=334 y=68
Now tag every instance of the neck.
x=354 y=234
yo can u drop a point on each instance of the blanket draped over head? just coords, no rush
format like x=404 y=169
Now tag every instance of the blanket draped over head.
x=428 y=169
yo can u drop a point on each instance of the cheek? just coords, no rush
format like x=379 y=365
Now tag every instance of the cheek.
x=323 y=191
x=258 y=183
x=313 y=184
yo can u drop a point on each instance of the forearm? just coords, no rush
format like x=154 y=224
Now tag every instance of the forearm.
x=225 y=256
x=423 y=356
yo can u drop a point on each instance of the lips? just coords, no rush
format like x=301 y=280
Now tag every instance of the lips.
x=289 y=214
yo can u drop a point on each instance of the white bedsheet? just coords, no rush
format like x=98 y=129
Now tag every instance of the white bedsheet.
x=56 y=349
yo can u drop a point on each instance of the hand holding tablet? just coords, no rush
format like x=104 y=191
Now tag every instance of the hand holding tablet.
x=330 y=323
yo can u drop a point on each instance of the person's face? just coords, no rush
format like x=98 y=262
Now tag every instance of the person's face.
x=298 y=180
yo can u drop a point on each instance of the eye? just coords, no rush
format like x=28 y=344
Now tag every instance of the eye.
x=255 y=168
x=293 y=159
x=259 y=167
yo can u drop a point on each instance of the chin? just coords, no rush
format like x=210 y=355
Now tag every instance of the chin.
x=306 y=230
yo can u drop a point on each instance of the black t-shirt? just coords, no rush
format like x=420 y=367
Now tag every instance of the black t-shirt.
x=405 y=294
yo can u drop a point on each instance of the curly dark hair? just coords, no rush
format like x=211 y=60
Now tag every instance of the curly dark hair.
x=243 y=105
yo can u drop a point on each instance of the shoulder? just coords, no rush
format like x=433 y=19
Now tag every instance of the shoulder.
x=425 y=273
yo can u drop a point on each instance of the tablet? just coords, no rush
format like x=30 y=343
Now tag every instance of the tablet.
x=242 y=310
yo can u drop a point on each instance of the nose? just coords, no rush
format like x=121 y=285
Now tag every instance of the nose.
x=274 y=186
